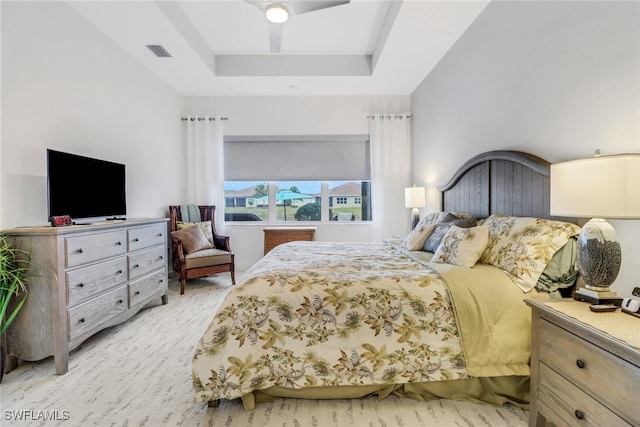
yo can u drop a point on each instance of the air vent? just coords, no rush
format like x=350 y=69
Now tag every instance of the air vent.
x=159 y=51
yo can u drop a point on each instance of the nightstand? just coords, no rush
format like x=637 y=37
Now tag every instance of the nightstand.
x=274 y=236
x=584 y=371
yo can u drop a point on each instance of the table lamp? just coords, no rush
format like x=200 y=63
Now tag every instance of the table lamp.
x=597 y=188
x=414 y=198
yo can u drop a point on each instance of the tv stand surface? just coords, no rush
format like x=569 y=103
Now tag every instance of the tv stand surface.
x=83 y=279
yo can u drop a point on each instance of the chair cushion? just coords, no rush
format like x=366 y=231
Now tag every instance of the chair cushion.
x=206 y=258
x=193 y=239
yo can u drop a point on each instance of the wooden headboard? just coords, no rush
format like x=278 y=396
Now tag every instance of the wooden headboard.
x=504 y=182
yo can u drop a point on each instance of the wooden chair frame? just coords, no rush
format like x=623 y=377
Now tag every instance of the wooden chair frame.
x=220 y=242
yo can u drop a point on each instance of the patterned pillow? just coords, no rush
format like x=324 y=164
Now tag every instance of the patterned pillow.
x=462 y=246
x=433 y=241
x=524 y=246
x=205 y=226
x=415 y=240
x=193 y=239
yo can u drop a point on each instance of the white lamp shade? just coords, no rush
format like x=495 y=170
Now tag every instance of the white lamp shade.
x=602 y=187
x=414 y=197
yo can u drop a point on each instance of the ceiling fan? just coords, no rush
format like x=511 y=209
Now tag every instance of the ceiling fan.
x=277 y=13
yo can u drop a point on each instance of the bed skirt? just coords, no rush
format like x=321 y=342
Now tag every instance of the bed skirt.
x=494 y=390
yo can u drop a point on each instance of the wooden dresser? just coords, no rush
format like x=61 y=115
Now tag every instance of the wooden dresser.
x=582 y=374
x=83 y=279
x=274 y=236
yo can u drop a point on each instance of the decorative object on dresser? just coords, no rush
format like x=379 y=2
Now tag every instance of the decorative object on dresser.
x=414 y=198
x=198 y=250
x=597 y=188
x=585 y=366
x=274 y=236
x=83 y=279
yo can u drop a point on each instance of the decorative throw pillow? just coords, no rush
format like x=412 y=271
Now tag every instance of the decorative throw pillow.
x=415 y=240
x=193 y=239
x=562 y=270
x=523 y=246
x=433 y=241
x=205 y=226
x=431 y=218
x=462 y=246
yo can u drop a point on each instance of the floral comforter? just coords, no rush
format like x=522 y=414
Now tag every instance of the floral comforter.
x=315 y=314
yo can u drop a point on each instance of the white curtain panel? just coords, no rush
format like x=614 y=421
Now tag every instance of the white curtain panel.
x=205 y=164
x=390 y=141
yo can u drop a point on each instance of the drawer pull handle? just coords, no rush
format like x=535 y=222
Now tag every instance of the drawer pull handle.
x=80 y=251
x=118 y=243
x=579 y=414
x=136 y=240
x=119 y=272
x=82 y=320
x=159 y=234
x=119 y=301
x=580 y=363
x=136 y=266
x=81 y=285
x=137 y=293
x=161 y=257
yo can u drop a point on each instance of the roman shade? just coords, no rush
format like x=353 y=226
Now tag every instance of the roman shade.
x=302 y=158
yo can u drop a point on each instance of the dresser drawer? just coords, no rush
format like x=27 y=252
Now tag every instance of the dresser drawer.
x=93 y=247
x=613 y=381
x=85 y=282
x=145 y=237
x=88 y=316
x=566 y=404
x=144 y=262
x=142 y=288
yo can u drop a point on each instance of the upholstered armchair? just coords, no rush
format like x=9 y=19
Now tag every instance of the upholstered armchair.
x=198 y=250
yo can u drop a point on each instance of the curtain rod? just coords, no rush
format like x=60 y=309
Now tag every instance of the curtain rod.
x=211 y=119
x=389 y=116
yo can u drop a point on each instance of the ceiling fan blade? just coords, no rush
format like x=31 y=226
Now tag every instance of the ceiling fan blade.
x=260 y=4
x=275 y=36
x=304 y=6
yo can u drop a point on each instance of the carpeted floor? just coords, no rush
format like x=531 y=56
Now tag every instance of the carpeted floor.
x=139 y=374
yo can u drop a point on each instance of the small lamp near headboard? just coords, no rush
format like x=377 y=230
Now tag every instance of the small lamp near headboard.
x=599 y=187
x=414 y=198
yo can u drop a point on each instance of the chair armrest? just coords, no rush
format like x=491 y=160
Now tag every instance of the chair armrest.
x=176 y=247
x=221 y=242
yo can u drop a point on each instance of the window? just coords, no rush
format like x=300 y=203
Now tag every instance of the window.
x=246 y=201
x=297 y=178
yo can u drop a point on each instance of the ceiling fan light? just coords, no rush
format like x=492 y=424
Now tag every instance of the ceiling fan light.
x=277 y=13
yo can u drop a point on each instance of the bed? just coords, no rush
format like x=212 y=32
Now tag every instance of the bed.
x=437 y=314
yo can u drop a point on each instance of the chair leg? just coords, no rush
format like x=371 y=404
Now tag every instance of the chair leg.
x=233 y=277
x=183 y=281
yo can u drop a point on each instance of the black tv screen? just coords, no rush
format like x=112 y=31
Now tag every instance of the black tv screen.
x=84 y=187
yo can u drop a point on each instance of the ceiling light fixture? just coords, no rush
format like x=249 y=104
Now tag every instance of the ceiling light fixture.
x=277 y=13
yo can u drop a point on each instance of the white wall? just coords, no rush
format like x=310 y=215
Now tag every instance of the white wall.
x=556 y=79
x=66 y=86
x=294 y=115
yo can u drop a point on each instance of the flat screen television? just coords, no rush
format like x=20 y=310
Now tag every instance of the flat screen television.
x=84 y=187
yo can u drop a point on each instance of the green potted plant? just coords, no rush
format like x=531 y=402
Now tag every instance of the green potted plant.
x=13 y=290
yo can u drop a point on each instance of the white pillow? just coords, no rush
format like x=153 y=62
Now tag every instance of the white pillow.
x=462 y=246
x=415 y=240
